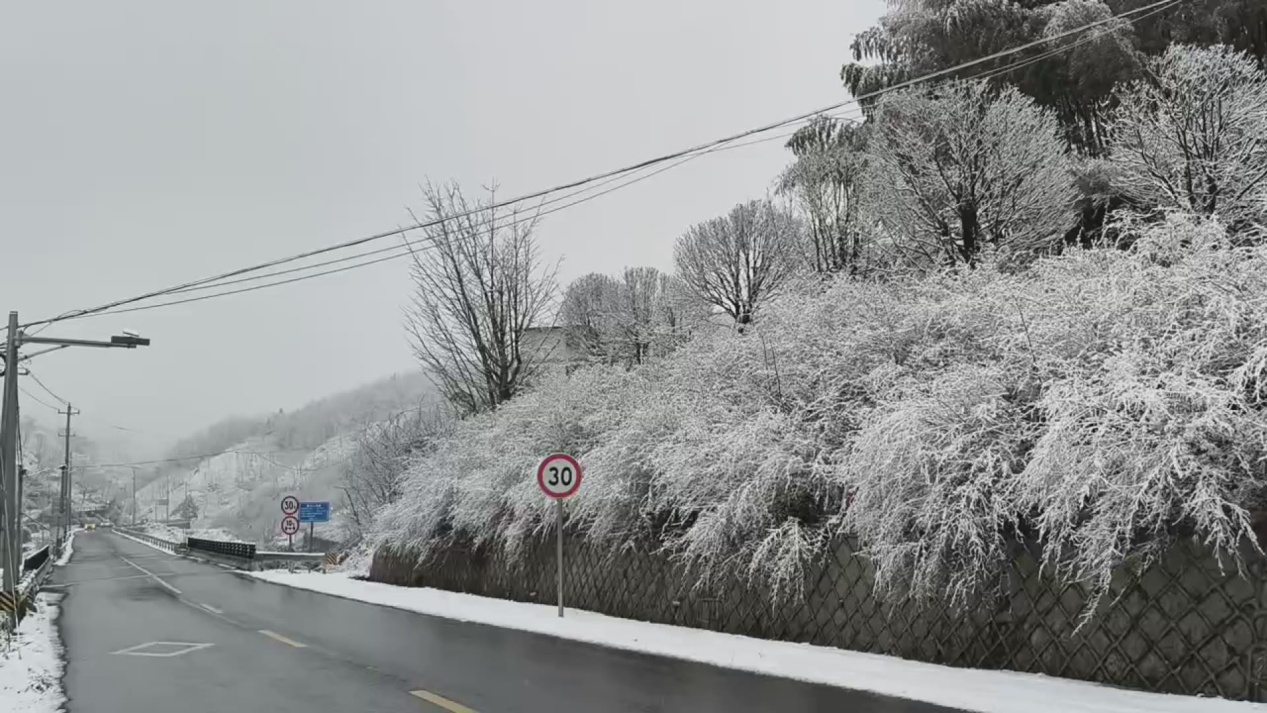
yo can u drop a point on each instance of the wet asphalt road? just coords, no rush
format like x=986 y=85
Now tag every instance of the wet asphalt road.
x=248 y=646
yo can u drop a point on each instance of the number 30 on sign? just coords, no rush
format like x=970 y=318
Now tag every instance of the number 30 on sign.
x=559 y=476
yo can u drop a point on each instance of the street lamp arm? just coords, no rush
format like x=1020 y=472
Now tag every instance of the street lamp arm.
x=124 y=342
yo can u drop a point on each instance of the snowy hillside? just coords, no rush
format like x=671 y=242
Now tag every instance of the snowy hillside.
x=237 y=485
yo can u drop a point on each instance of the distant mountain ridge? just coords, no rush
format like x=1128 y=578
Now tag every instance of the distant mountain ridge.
x=236 y=471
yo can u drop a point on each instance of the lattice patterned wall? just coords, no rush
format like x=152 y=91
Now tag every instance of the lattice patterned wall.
x=1181 y=626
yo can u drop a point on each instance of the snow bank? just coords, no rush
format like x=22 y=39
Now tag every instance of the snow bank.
x=68 y=550
x=31 y=663
x=966 y=689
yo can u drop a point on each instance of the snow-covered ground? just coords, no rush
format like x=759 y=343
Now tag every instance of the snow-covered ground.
x=68 y=550
x=174 y=534
x=31 y=663
x=965 y=689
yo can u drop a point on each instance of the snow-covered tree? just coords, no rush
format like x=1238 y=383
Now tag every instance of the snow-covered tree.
x=370 y=480
x=739 y=261
x=479 y=285
x=826 y=182
x=187 y=510
x=589 y=312
x=1077 y=79
x=1193 y=136
x=627 y=320
x=960 y=168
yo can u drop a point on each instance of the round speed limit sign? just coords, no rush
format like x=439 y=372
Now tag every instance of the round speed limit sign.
x=559 y=476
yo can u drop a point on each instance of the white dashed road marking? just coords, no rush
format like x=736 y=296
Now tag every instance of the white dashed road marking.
x=169 y=587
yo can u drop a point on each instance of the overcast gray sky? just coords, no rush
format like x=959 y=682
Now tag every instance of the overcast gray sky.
x=148 y=143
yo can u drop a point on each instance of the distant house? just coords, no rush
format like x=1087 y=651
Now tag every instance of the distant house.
x=549 y=348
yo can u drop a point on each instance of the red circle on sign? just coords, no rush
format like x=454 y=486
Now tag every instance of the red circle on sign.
x=290 y=505
x=554 y=483
x=290 y=525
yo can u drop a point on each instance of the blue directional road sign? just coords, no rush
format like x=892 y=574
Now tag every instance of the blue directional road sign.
x=314 y=511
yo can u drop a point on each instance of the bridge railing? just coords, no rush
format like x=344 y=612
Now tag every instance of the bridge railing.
x=169 y=545
x=244 y=555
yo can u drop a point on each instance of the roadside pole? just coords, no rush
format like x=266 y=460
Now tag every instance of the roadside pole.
x=10 y=542
x=559 y=552
x=9 y=457
x=66 y=504
x=559 y=477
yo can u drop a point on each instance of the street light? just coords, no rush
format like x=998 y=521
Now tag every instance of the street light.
x=15 y=338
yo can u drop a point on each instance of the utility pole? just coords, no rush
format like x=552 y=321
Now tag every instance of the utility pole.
x=15 y=338
x=133 y=496
x=9 y=458
x=66 y=483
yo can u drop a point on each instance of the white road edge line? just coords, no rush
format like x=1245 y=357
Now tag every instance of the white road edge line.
x=278 y=637
x=170 y=588
x=210 y=608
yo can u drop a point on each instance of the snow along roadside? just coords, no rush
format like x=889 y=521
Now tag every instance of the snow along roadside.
x=965 y=689
x=31 y=662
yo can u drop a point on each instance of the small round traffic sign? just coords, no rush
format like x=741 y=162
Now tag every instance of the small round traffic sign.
x=290 y=505
x=290 y=525
x=559 y=475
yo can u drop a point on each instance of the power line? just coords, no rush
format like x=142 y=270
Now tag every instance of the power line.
x=37 y=399
x=701 y=148
x=401 y=251
x=200 y=456
x=46 y=389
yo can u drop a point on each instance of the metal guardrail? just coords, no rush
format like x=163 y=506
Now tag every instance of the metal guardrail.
x=309 y=557
x=241 y=554
x=37 y=559
x=239 y=550
x=159 y=542
x=30 y=585
x=279 y=560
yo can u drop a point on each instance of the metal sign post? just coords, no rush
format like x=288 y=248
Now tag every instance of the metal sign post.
x=312 y=512
x=559 y=477
x=290 y=525
x=558 y=502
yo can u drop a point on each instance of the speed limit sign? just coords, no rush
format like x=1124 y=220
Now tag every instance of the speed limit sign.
x=559 y=476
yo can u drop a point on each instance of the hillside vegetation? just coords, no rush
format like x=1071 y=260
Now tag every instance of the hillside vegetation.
x=1103 y=401
x=988 y=312
x=235 y=472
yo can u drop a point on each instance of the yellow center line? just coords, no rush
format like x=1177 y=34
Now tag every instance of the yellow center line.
x=278 y=637
x=445 y=703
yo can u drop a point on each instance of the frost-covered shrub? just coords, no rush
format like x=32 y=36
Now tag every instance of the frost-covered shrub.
x=1111 y=405
x=1101 y=402
x=480 y=481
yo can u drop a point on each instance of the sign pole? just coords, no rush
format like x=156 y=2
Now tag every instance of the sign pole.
x=290 y=543
x=559 y=477
x=559 y=509
x=311 y=524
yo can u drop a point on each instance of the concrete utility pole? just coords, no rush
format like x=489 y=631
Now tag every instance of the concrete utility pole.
x=65 y=505
x=9 y=458
x=10 y=537
x=133 y=496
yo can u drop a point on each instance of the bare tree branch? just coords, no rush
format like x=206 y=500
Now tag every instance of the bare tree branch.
x=478 y=287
